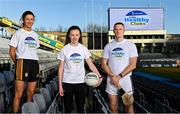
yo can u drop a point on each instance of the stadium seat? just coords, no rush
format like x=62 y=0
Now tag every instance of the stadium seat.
x=51 y=90
x=1 y=64
x=2 y=91
x=54 y=85
x=46 y=94
x=2 y=83
x=56 y=80
x=2 y=109
x=29 y=107
x=60 y=104
x=9 y=76
x=40 y=101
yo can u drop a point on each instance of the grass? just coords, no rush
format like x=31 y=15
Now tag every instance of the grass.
x=173 y=73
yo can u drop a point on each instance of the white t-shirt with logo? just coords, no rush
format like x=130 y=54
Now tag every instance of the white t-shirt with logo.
x=26 y=44
x=73 y=57
x=118 y=55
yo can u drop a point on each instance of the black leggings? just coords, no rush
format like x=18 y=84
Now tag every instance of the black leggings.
x=79 y=90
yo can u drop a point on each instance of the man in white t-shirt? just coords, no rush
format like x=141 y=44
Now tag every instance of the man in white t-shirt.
x=119 y=60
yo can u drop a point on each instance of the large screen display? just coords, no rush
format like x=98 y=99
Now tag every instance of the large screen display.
x=137 y=19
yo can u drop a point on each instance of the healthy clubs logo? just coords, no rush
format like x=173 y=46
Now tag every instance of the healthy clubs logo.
x=136 y=19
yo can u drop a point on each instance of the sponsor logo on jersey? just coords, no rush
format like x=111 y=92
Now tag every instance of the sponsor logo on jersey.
x=117 y=52
x=75 y=58
x=30 y=42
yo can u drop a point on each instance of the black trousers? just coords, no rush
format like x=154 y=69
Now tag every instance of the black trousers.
x=80 y=92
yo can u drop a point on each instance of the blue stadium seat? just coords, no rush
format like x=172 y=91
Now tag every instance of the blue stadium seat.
x=2 y=109
x=1 y=64
x=51 y=90
x=29 y=107
x=9 y=76
x=56 y=80
x=2 y=83
x=46 y=94
x=54 y=85
x=40 y=101
x=2 y=92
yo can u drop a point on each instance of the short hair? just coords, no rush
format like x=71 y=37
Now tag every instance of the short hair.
x=119 y=23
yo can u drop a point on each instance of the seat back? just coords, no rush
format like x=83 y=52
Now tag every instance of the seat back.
x=29 y=107
x=54 y=85
x=2 y=83
x=45 y=93
x=40 y=101
x=2 y=104
x=51 y=90
x=9 y=75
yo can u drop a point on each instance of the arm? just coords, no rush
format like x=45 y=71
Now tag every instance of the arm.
x=12 y=53
x=92 y=66
x=60 y=76
x=106 y=68
x=127 y=70
x=94 y=69
x=130 y=67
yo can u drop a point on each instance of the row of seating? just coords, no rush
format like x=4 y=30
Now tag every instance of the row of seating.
x=5 y=62
x=150 y=93
x=43 y=98
x=151 y=55
x=6 y=90
x=157 y=63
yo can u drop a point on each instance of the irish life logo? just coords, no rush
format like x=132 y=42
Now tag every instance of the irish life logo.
x=117 y=52
x=30 y=42
x=76 y=58
x=136 y=19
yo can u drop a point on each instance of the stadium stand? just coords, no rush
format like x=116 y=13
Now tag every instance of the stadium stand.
x=156 y=96
x=149 y=94
x=9 y=76
x=51 y=90
x=151 y=55
x=46 y=95
x=39 y=100
x=54 y=85
x=2 y=92
x=29 y=107
x=48 y=70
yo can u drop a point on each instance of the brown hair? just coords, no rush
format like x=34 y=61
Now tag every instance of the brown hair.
x=119 y=23
x=24 y=15
x=68 y=33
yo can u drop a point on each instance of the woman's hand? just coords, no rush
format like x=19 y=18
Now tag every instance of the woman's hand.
x=61 y=91
x=99 y=81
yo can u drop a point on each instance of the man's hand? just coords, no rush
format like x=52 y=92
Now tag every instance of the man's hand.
x=115 y=80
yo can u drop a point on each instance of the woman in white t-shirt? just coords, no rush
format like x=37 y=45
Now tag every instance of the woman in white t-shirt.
x=72 y=72
x=23 y=51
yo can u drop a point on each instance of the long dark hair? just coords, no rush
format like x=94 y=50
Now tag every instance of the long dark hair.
x=68 y=33
x=24 y=15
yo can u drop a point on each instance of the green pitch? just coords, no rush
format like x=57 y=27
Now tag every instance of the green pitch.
x=173 y=73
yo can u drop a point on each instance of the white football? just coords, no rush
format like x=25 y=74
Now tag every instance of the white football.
x=91 y=79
